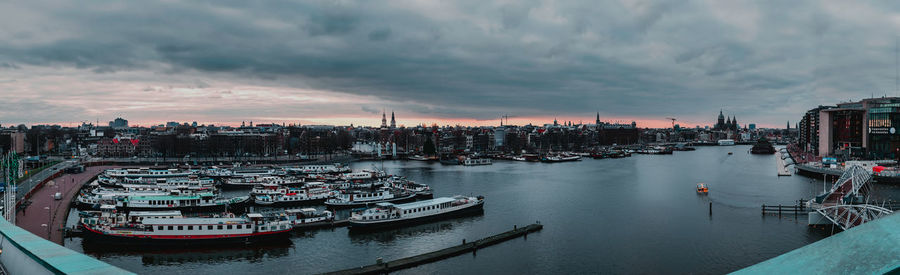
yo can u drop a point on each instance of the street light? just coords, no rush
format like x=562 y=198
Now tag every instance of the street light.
x=49 y=216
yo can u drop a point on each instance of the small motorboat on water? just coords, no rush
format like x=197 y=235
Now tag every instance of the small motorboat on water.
x=730 y=153
x=702 y=188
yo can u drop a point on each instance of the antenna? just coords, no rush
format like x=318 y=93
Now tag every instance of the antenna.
x=897 y=65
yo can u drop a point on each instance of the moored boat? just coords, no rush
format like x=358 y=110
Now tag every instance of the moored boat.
x=560 y=158
x=197 y=202
x=726 y=142
x=311 y=193
x=351 y=199
x=389 y=214
x=308 y=217
x=148 y=173
x=171 y=228
x=476 y=161
x=319 y=169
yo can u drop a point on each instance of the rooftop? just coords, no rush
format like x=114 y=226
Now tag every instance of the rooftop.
x=188 y=221
x=53 y=257
x=424 y=203
x=870 y=248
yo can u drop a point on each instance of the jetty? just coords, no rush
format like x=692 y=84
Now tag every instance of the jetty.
x=780 y=166
x=386 y=267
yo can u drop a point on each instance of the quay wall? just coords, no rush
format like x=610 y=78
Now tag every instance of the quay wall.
x=26 y=253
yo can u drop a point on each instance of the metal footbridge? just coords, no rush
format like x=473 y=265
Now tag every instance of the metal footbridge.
x=847 y=203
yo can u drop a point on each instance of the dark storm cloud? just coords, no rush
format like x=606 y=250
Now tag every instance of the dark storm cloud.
x=480 y=59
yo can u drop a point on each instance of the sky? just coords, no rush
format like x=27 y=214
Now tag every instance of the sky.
x=445 y=62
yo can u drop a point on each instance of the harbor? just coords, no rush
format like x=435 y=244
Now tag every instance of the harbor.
x=525 y=191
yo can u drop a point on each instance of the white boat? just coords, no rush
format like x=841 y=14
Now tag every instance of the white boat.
x=111 y=226
x=319 y=169
x=310 y=193
x=92 y=199
x=389 y=214
x=148 y=173
x=421 y=158
x=726 y=142
x=476 y=161
x=357 y=176
x=560 y=158
x=359 y=198
x=199 y=202
x=308 y=217
x=250 y=182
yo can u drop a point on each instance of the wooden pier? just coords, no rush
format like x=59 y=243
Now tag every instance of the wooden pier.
x=383 y=268
x=799 y=209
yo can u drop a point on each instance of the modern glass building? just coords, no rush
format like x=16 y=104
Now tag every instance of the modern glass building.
x=883 y=121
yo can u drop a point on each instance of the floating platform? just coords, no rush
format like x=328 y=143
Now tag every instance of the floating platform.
x=384 y=268
x=780 y=167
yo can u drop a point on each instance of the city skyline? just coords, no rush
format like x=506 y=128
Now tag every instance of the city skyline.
x=376 y=122
x=444 y=63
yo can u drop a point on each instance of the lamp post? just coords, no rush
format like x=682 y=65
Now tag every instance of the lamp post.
x=48 y=221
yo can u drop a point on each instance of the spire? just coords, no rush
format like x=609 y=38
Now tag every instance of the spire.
x=393 y=121
x=383 y=119
x=598 y=118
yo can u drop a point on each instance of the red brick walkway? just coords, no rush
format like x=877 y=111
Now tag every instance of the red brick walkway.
x=36 y=217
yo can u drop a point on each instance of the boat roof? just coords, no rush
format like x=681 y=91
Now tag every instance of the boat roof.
x=170 y=197
x=155 y=213
x=254 y=215
x=424 y=203
x=202 y=221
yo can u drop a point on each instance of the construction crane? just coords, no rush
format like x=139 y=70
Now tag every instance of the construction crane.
x=673 y=121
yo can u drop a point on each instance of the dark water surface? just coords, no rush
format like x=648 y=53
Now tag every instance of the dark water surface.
x=633 y=215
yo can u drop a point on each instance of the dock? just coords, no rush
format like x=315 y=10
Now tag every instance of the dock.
x=386 y=267
x=45 y=216
x=780 y=167
x=798 y=209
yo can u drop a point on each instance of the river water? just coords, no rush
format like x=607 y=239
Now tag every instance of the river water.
x=632 y=215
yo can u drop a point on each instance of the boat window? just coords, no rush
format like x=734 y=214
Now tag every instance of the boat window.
x=170 y=227
x=159 y=227
x=190 y=227
x=263 y=228
x=209 y=227
x=219 y=227
x=180 y=227
x=229 y=226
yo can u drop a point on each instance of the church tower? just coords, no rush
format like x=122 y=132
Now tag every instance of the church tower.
x=383 y=120
x=393 y=121
x=734 y=124
x=720 y=124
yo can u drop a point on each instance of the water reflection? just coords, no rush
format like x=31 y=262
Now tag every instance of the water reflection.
x=161 y=255
x=387 y=236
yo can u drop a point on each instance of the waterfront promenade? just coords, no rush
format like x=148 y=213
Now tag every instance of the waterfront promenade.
x=45 y=216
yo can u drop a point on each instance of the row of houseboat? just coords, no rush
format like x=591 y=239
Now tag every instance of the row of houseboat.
x=184 y=206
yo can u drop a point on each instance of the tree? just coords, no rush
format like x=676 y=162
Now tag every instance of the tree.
x=428 y=148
